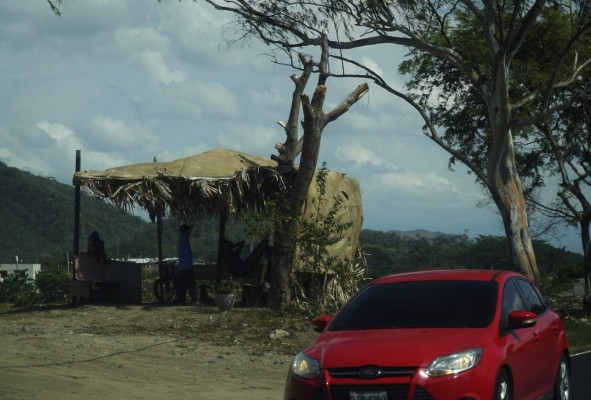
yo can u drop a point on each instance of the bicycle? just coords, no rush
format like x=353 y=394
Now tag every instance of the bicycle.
x=163 y=286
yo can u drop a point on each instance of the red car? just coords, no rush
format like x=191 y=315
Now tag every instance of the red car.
x=437 y=335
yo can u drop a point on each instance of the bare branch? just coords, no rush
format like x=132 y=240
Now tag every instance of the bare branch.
x=54 y=5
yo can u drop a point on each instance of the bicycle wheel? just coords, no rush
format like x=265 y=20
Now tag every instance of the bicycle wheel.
x=164 y=290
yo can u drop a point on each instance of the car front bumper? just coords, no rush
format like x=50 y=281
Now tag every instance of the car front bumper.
x=474 y=384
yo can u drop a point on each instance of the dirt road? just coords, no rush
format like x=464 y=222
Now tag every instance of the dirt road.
x=146 y=352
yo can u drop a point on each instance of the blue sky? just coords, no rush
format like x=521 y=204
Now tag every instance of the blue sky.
x=124 y=81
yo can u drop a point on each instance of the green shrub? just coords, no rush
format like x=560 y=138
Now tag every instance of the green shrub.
x=54 y=285
x=17 y=288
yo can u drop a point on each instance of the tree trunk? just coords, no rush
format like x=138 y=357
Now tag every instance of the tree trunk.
x=284 y=248
x=283 y=252
x=507 y=193
x=502 y=177
x=586 y=239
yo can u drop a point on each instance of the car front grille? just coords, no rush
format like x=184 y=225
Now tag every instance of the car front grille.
x=395 y=391
x=384 y=372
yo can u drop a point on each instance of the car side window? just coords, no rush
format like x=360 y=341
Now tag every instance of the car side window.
x=533 y=301
x=512 y=300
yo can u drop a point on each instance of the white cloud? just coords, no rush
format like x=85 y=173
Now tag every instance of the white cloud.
x=25 y=162
x=357 y=153
x=62 y=135
x=416 y=184
x=154 y=62
x=371 y=64
x=213 y=98
x=120 y=135
x=57 y=132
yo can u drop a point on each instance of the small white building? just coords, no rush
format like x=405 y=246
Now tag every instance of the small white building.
x=31 y=269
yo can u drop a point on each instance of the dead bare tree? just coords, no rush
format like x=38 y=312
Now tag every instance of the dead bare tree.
x=307 y=147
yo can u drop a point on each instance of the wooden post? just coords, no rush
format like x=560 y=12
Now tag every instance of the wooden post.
x=76 y=215
x=159 y=228
x=75 y=289
x=221 y=238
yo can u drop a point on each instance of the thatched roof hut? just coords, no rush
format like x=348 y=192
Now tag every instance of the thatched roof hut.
x=218 y=181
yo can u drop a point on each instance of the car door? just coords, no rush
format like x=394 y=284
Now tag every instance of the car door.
x=545 y=335
x=520 y=344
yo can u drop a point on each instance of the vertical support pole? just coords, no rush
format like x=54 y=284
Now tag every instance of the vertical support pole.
x=159 y=227
x=221 y=238
x=76 y=215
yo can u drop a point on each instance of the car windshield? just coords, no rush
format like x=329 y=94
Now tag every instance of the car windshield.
x=422 y=304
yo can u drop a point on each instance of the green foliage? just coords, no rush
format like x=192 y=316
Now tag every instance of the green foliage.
x=390 y=252
x=561 y=279
x=18 y=289
x=227 y=286
x=54 y=285
x=578 y=331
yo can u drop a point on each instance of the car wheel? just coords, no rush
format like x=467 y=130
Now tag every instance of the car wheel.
x=562 y=381
x=503 y=386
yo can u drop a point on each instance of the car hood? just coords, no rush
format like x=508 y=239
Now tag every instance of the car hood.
x=393 y=347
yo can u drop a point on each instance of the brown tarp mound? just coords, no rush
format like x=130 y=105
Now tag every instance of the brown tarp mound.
x=343 y=245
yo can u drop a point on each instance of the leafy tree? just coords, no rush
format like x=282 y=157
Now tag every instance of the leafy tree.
x=433 y=28
x=555 y=140
x=567 y=150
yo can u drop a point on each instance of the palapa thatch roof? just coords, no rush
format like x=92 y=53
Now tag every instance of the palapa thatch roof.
x=216 y=181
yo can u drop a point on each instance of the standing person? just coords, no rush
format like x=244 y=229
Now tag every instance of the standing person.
x=184 y=279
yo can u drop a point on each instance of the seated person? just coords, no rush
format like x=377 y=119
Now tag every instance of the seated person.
x=96 y=248
x=231 y=252
x=235 y=265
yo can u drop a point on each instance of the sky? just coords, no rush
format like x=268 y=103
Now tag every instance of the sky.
x=125 y=81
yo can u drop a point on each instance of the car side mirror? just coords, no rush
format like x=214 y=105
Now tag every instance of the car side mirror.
x=521 y=319
x=321 y=322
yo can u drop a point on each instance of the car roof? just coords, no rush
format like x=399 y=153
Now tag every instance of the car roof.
x=449 y=274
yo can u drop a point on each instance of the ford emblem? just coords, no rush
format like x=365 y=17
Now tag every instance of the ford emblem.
x=370 y=372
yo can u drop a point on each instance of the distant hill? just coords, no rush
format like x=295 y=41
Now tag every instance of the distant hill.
x=37 y=216
x=419 y=233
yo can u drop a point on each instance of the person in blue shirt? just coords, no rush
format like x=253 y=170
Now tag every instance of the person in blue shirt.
x=184 y=278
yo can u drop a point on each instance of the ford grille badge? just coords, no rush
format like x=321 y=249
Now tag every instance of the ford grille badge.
x=370 y=372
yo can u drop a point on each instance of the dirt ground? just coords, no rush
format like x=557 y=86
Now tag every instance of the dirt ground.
x=146 y=351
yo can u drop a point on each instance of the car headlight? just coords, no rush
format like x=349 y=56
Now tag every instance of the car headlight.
x=305 y=366
x=454 y=363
